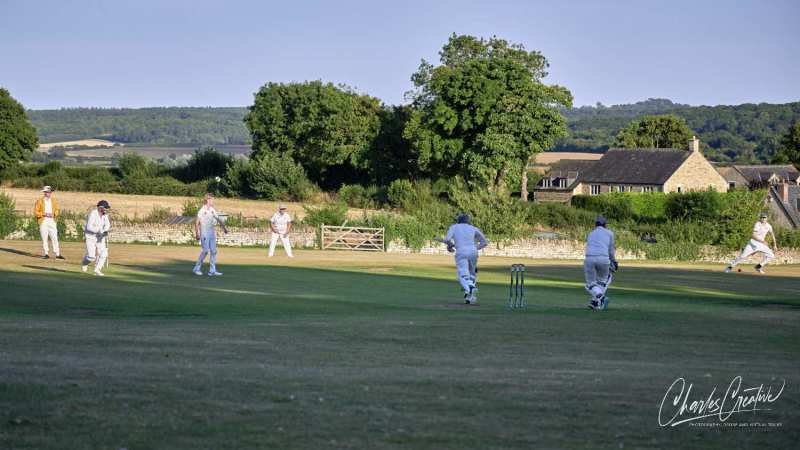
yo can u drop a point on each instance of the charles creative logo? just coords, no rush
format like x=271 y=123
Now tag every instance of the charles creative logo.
x=682 y=406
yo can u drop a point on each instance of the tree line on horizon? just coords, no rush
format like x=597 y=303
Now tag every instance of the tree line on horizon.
x=747 y=133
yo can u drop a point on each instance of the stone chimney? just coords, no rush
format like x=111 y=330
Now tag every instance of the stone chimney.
x=694 y=144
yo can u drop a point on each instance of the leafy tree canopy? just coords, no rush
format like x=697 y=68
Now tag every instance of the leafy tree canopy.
x=667 y=131
x=789 y=150
x=484 y=110
x=321 y=126
x=18 y=138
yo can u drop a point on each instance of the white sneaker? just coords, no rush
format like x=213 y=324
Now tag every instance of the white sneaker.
x=728 y=269
x=215 y=274
x=84 y=268
x=473 y=295
x=198 y=272
x=98 y=273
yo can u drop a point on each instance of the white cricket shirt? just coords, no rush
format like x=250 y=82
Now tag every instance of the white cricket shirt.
x=208 y=218
x=464 y=235
x=281 y=222
x=95 y=223
x=761 y=230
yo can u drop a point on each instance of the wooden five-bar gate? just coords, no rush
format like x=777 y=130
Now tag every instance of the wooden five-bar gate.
x=352 y=238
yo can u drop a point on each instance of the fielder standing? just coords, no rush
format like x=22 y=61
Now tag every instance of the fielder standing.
x=600 y=259
x=462 y=235
x=204 y=231
x=281 y=225
x=757 y=244
x=95 y=233
x=46 y=212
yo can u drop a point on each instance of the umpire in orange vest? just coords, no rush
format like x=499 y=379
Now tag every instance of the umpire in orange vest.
x=46 y=212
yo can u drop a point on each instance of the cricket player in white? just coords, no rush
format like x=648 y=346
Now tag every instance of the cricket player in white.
x=281 y=224
x=204 y=231
x=600 y=257
x=95 y=233
x=757 y=243
x=46 y=212
x=462 y=235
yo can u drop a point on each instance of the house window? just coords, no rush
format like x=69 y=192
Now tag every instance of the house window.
x=562 y=183
x=621 y=188
x=680 y=189
x=731 y=185
x=546 y=182
x=595 y=189
x=647 y=189
x=797 y=206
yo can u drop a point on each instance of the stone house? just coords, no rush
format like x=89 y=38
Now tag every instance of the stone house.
x=783 y=201
x=741 y=176
x=632 y=170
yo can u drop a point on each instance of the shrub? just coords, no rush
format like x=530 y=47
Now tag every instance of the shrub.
x=413 y=232
x=204 y=164
x=400 y=193
x=279 y=177
x=787 y=238
x=330 y=214
x=697 y=205
x=615 y=206
x=190 y=207
x=31 y=228
x=496 y=215
x=236 y=182
x=358 y=196
x=9 y=221
x=153 y=186
x=560 y=216
x=132 y=165
x=51 y=168
x=102 y=181
x=158 y=214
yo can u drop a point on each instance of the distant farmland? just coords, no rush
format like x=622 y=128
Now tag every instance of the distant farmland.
x=155 y=151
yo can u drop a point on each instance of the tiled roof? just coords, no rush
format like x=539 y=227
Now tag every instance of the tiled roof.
x=636 y=166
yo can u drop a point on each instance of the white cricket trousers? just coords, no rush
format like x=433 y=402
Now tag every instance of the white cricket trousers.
x=467 y=268
x=753 y=247
x=96 y=250
x=208 y=245
x=595 y=269
x=287 y=246
x=48 y=229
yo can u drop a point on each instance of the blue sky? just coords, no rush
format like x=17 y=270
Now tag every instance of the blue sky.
x=116 y=53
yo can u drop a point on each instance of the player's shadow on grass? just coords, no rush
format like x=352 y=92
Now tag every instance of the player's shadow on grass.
x=49 y=269
x=16 y=252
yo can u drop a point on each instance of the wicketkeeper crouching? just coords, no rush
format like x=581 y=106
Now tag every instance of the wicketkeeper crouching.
x=600 y=262
x=96 y=233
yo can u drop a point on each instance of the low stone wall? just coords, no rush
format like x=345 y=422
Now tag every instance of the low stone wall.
x=305 y=237
x=566 y=249
x=301 y=237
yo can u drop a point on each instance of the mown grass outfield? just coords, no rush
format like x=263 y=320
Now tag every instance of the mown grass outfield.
x=344 y=350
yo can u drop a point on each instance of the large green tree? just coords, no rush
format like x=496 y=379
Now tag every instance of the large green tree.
x=484 y=111
x=325 y=128
x=665 y=131
x=789 y=148
x=17 y=136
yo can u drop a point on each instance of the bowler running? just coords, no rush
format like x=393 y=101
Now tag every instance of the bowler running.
x=462 y=236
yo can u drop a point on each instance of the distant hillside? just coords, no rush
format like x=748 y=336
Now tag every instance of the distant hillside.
x=153 y=126
x=746 y=133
